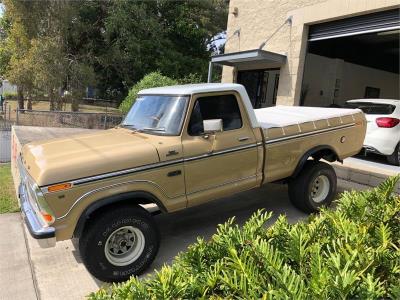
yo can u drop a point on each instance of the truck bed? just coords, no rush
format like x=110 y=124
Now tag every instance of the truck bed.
x=285 y=121
x=291 y=130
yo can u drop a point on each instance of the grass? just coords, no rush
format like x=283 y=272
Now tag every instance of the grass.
x=8 y=200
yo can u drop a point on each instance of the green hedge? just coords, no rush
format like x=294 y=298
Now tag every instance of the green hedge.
x=350 y=252
x=10 y=95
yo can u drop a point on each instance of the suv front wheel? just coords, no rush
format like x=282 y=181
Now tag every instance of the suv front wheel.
x=119 y=243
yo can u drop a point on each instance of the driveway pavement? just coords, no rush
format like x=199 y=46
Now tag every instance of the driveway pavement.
x=16 y=277
x=29 y=272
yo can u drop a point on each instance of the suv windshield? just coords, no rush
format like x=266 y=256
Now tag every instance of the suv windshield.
x=157 y=114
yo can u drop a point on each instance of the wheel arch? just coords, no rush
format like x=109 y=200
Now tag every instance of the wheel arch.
x=326 y=152
x=127 y=198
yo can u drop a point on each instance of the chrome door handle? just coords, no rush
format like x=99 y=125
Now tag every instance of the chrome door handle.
x=243 y=138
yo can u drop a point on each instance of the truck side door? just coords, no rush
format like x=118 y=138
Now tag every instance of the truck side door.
x=223 y=163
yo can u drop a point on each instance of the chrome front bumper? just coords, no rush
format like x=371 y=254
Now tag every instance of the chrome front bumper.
x=45 y=235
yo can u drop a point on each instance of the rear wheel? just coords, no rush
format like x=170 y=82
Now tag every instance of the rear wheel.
x=119 y=243
x=314 y=187
x=394 y=159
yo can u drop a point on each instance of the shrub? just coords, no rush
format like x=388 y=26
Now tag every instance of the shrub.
x=10 y=95
x=350 y=252
x=151 y=80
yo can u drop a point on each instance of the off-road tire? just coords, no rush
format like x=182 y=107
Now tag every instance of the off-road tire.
x=394 y=158
x=302 y=188
x=92 y=243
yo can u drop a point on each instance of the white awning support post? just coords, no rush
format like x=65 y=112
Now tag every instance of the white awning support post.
x=210 y=66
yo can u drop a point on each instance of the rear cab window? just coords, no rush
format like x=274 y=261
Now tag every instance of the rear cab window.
x=373 y=108
x=223 y=107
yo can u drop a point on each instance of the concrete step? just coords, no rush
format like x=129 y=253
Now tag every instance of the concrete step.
x=365 y=172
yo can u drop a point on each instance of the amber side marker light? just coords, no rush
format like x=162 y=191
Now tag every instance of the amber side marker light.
x=47 y=217
x=59 y=187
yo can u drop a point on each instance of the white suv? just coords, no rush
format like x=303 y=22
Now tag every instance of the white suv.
x=383 y=126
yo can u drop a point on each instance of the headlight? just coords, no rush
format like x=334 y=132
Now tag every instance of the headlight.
x=44 y=209
x=35 y=196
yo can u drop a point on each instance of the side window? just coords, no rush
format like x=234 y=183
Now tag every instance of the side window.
x=223 y=107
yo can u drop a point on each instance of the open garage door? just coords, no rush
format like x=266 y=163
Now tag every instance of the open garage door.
x=376 y=22
x=352 y=58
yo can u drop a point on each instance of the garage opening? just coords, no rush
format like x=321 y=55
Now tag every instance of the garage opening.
x=354 y=58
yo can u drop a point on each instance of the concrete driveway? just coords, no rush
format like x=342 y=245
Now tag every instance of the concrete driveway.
x=29 y=272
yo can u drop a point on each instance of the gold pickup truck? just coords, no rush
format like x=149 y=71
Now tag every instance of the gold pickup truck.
x=178 y=147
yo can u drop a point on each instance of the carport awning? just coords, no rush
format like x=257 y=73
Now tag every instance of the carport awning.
x=257 y=56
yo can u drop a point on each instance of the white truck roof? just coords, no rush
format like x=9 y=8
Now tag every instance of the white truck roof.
x=189 y=89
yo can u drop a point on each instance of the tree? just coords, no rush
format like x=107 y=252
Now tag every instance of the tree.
x=52 y=46
x=169 y=36
x=5 y=54
x=42 y=61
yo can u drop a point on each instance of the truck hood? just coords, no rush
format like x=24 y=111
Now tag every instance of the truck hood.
x=84 y=155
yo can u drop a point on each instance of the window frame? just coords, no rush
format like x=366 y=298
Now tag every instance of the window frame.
x=196 y=98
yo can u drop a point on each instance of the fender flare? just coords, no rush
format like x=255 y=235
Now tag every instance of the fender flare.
x=128 y=198
x=309 y=153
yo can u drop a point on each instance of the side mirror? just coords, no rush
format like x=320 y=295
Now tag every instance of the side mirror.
x=212 y=126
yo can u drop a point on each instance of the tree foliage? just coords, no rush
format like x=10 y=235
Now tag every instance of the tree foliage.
x=48 y=46
x=41 y=60
x=352 y=252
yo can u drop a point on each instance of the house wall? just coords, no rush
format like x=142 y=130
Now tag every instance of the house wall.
x=357 y=78
x=321 y=75
x=259 y=19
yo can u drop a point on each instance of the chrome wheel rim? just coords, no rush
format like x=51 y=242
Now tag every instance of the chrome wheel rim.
x=320 y=188
x=124 y=246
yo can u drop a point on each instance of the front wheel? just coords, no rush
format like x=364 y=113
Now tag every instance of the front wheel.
x=394 y=158
x=314 y=187
x=119 y=243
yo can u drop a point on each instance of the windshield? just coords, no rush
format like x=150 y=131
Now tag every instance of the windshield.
x=158 y=114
